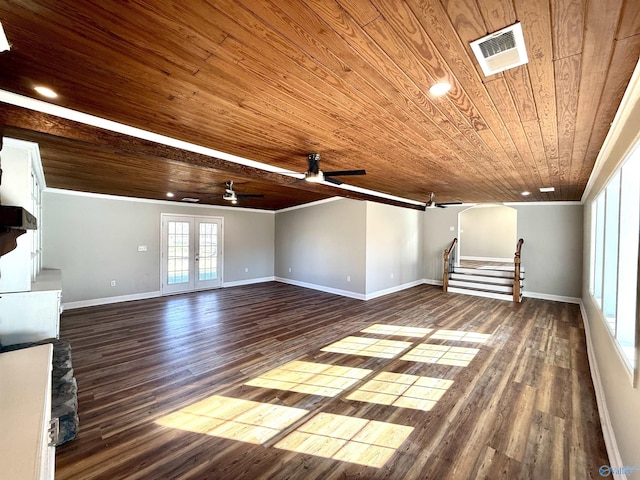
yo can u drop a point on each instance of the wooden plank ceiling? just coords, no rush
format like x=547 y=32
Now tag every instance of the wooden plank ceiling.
x=272 y=81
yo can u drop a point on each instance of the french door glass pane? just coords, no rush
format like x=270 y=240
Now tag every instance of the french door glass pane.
x=208 y=252
x=178 y=253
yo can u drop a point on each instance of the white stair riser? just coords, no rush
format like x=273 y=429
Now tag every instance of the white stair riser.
x=482 y=286
x=486 y=273
x=478 y=293
x=477 y=278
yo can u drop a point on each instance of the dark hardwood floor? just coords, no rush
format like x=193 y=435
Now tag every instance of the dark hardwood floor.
x=503 y=392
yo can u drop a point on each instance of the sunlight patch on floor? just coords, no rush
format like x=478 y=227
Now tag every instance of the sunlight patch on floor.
x=355 y=440
x=461 y=336
x=311 y=378
x=383 y=329
x=441 y=354
x=233 y=418
x=369 y=347
x=402 y=390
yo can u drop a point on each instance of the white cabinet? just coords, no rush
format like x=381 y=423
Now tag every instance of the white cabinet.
x=34 y=315
x=25 y=414
x=29 y=296
x=16 y=190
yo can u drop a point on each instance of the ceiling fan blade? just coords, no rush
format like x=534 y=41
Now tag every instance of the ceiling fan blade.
x=249 y=195
x=450 y=203
x=340 y=173
x=332 y=180
x=441 y=205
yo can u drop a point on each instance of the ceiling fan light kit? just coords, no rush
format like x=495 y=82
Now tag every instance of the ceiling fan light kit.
x=314 y=177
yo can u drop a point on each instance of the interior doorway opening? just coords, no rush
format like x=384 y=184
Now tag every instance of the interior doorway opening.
x=487 y=233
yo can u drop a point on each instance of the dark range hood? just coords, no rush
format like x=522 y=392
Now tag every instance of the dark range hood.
x=16 y=218
x=14 y=221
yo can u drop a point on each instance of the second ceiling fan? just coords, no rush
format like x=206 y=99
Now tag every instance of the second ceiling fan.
x=431 y=203
x=231 y=196
x=314 y=174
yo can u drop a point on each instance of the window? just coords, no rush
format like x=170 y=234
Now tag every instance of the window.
x=615 y=229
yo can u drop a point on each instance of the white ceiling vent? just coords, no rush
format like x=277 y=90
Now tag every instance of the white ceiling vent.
x=501 y=50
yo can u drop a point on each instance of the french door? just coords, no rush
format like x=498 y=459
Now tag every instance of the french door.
x=191 y=255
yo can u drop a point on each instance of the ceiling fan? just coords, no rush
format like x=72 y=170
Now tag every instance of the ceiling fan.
x=314 y=174
x=431 y=203
x=233 y=197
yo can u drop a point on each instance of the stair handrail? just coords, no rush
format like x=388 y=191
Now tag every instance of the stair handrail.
x=516 y=271
x=448 y=265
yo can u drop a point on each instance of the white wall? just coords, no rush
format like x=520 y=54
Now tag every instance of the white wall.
x=621 y=398
x=323 y=244
x=551 y=255
x=15 y=190
x=552 y=250
x=488 y=232
x=393 y=247
x=94 y=239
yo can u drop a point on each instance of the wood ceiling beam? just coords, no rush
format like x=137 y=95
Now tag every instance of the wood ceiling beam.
x=33 y=126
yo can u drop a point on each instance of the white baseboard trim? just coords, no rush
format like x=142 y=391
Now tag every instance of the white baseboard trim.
x=553 y=298
x=615 y=458
x=248 y=281
x=322 y=288
x=347 y=293
x=487 y=259
x=107 y=300
x=397 y=288
x=430 y=281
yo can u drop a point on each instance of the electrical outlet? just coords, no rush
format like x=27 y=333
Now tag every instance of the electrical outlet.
x=451 y=229
x=246 y=270
x=142 y=248
x=392 y=275
x=289 y=269
x=348 y=278
x=113 y=283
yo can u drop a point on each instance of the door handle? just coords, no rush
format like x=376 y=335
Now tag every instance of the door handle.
x=197 y=257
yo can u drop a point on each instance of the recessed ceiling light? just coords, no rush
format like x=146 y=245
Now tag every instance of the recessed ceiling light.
x=440 y=89
x=170 y=194
x=46 y=92
x=547 y=189
x=526 y=194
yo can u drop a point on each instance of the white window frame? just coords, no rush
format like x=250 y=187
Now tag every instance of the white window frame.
x=598 y=211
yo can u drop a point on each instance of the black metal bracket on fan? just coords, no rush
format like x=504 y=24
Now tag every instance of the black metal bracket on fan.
x=315 y=174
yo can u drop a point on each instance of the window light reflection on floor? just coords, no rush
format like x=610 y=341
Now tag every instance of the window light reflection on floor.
x=354 y=440
x=402 y=390
x=233 y=418
x=441 y=354
x=369 y=347
x=382 y=329
x=461 y=336
x=311 y=378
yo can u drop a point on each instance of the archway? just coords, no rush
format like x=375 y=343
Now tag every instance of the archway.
x=487 y=233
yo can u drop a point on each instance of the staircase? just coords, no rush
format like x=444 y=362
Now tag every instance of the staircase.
x=496 y=282
x=484 y=280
